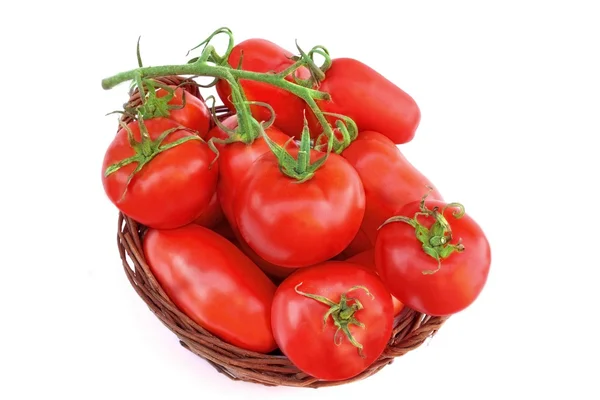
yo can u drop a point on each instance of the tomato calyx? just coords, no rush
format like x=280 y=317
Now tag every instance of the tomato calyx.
x=345 y=127
x=299 y=168
x=342 y=314
x=153 y=106
x=436 y=239
x=146 y=149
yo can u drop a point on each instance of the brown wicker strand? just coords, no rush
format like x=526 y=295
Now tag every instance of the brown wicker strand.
x=411 y=328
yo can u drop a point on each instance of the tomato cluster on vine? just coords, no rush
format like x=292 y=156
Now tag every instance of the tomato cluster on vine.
x=294 y=223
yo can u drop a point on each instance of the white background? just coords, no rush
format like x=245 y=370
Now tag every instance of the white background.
x=510 y=100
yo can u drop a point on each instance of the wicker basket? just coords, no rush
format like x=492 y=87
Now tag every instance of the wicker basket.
x=411 y=328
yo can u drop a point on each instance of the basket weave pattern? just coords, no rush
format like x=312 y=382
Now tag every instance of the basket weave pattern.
x=411 y=328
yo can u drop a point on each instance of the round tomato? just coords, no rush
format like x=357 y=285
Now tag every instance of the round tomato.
x=367 y=259
x=174 y=185
x=259 y=55
x=432 y=258
x=214 y=284
x=371 y=100
x=296 y=224
x=235 y=160
x=187 y=110
x=389 y=179
x=332 y=320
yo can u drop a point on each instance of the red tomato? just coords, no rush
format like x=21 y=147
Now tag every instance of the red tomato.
x=275 y=272
x=412 y=275
x=294 y=224
x=212 y=214
x=371 y=100
x=305 y=327
x=213 y=283
x=367 y=259
x=389 y=179
x=234 y=161
x=261 y=55
x=194 y=114
x=172 y=189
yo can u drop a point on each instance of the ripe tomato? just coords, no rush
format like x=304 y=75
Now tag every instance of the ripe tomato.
x=275 y=272
x=213 y=283
x=194 y=114
x=173 y=188
x=370 y=99
x=234 y=161
x=389 y=179
x=367 y=259
x=261 y=55
x=332 y=320
x=212 y=214
x=405 y=257
x=294 y=224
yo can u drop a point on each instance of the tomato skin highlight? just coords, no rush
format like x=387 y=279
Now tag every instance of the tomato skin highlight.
x=370 y=99
x=298 y=327
x=213 y=283
x=171 y=190
x=193 y=115
x=260 y=55
x=389 y=179
x=400 y=261
x=235 y=159
x=293 y=224
x=367 y=259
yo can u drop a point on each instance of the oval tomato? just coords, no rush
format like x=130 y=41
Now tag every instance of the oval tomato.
x=194 y=114
x=370 y=99
x=407 y=253
x=235 y=160
x=294 y=224
x=261 y=55
x=213 y=283
x=389 y=179
x=173 y=188
x=307 y=306
x=367 y=259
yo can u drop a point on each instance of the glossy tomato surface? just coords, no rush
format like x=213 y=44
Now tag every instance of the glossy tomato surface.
x=389 y=179
x=322 y=350
x=214 y=284
x=294 y=224
x=370 y=99
x=406 y=269
x=260 y=55
x=367 y=259
x=189 y=110
x=235 y=159
x=172 y=189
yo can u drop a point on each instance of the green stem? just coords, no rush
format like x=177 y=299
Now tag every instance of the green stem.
x=201 y=68
x=342 y=314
